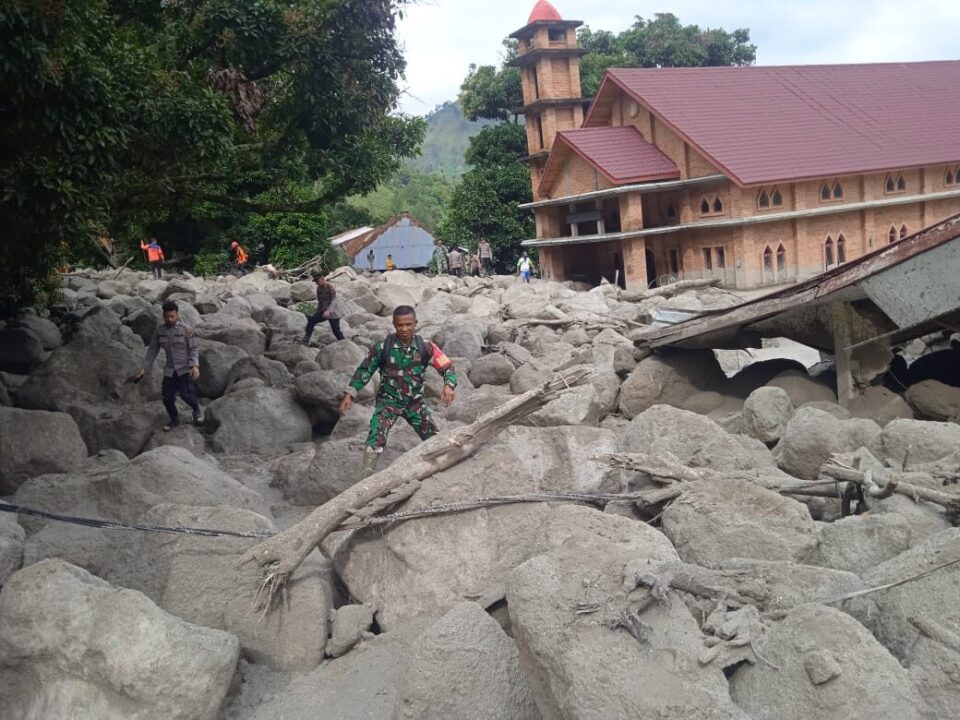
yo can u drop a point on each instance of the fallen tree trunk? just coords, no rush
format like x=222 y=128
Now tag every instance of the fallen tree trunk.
x=280 y=555
x=669 y=290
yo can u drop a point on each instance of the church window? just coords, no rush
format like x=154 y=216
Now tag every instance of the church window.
x=824 y=192
x=717 y=205
x=767 y=260
x=557 y=35
x=903 y=231
x=721 y=258
x=949 y=178
x=707 y=260
x=901 y=183
x=888 y=186
x=894 y=184
x=671 y=212
x=763 y=200
x=781 y=259
x=704 y=207
x=776 y=199
x=892 y=235
x=837 y=191
x=841 y=250
x=828 y=252
x=540 y=131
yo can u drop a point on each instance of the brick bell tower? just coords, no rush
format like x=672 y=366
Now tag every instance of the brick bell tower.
x=549 y=63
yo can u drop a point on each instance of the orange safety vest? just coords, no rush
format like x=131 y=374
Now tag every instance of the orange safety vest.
x=241 y=254
x=154 y=253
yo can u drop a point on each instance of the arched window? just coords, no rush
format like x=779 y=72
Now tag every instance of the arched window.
x=837 y=191
x=841 y=249
x=717 y=204
x=828 y=252
x=824 y=192
x=892 y=235
x=781 y=259
x=767 y=260
x=889 y=186
x=903 y=231
x=901 y=183
x=763 y=200
x=776 y=199
x=704 y=207
x=948 y=178
x=671 y=212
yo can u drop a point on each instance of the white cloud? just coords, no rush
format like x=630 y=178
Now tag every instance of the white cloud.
x=443 y=37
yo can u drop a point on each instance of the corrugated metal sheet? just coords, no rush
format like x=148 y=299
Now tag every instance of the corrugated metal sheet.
x=765 y=124
x=410 y=244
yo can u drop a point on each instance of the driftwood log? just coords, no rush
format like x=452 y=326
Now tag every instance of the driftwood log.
x=282 y=554
x=669 y=290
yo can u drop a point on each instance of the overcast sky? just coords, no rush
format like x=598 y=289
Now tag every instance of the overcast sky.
x=442 y=37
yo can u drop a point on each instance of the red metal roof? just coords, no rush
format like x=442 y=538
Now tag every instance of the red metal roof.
x=543 y=11
x=620 y=153
x=765 y=124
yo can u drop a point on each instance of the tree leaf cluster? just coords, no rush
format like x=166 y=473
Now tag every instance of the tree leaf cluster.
x=187 y=119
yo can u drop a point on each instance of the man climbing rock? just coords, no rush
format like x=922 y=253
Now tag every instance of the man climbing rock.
x=240 y=257
x=326 y=294
x=154 y=256
x=402 y=359
x=182 y=367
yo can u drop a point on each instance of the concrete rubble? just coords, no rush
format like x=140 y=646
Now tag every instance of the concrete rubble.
x=725 y=564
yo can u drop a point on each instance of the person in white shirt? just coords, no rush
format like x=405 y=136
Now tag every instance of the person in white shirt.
x=525 y=267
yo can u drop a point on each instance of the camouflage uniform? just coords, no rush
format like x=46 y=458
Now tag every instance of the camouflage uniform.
x=401 y=389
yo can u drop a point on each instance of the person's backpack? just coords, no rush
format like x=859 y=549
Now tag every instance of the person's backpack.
x=425 y=350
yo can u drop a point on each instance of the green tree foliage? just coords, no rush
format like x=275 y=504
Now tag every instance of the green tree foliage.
x=484 y=204
x=490 y=92
x=123 y=116
x=424 y=195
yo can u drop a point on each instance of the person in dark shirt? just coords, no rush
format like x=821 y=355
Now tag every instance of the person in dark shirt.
x=326 y=294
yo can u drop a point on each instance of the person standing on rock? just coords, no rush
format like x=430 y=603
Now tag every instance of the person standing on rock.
x=154 y=256
x=182 y=368
x=240 y=257
x=402 y=359
x=455 y=259
x=486 y=257
x=524 y=267
x=371 y=259
x=326 y=294
x=475 y=264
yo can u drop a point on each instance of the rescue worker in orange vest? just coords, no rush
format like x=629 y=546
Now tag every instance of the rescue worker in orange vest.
x=239 y=257
x=154 y=256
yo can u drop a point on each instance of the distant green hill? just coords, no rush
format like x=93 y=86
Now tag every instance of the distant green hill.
x=448 y=135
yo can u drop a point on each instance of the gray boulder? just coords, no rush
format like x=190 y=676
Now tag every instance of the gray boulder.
x=766 y=412
x=934 y=400
x=492 y=369
x=715 y=520
x=695 y=440
x=126 y=490
x=35 y=442
x=827 y=666
x=342 y=355
x=575 y=679
x=860 y=542
x=20 y=350
x=188 y=437
x=243 y=333
x=918 y=440
x=43 y=329
x=578 y=406
x=812 y=436
x=526 y=377
x=257 y=419
x=802 y=388
x=122 y=427
x=881 y=405
x=216 y=361
x=348 y=624
x=464 y=339
x=11 y=546
x=669 y=380
x=272 y=372
x=71 y=645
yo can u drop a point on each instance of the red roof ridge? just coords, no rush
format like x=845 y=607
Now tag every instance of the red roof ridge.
x=543 y=11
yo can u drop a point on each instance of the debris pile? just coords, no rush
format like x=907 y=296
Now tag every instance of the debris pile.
x=629 y=535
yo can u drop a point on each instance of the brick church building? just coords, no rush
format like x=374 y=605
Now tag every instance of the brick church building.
x=755 y=175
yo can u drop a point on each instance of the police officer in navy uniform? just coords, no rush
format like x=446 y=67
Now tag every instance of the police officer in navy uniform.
x=182 y=367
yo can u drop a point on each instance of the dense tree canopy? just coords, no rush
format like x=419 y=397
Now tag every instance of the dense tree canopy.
x=484 y=204
x=118 y=117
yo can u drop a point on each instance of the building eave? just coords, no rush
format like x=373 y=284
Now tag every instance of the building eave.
x=542 y=104
x=642 y=188
x=743 y=221
x=531 y=56
x=528 y=29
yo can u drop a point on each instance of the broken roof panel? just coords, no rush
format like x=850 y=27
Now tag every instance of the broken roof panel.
x=767 y=124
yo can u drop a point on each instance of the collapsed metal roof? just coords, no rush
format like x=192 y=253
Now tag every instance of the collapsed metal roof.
x=905 y=290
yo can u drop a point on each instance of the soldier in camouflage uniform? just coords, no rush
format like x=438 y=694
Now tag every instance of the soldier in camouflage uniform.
x=402 y=359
